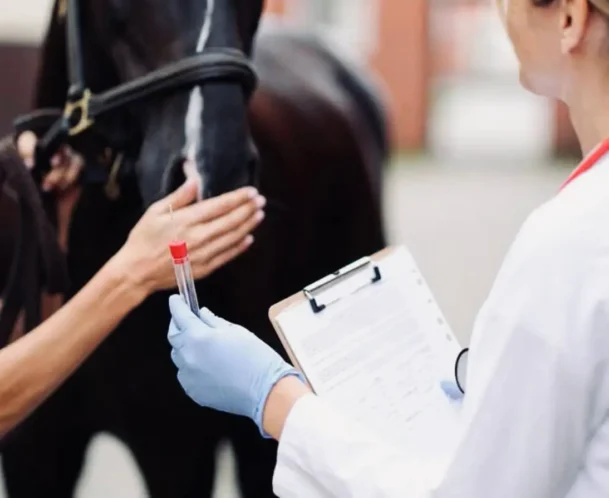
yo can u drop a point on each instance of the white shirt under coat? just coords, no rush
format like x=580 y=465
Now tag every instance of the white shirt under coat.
x=535 y=419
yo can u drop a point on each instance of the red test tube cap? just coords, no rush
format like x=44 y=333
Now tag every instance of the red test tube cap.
x=178 y=249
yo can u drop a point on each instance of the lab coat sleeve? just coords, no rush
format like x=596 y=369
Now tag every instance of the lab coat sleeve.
x=324 y=454
x=525 y=417
x=524 y=439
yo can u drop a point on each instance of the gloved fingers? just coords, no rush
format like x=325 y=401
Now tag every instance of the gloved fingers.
x=451 y=390
x=209 y=318
x=189 y=389
x=178 y=338
x=214 y=320
x=183 y=380
x=181 y=314
x=177 y=358
x=188 y=363
x=186 y=332
x=174 y=335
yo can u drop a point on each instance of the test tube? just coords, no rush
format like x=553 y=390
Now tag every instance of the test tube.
x=186 y=284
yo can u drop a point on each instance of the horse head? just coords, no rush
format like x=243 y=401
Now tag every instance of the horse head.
x=198 y=129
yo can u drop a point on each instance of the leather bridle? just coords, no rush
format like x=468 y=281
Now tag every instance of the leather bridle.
x=35 y=245
x=83 y=107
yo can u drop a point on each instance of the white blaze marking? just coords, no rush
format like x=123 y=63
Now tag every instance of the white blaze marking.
x=193 y=126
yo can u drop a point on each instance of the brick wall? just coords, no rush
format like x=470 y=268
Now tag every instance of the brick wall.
x=402 y=61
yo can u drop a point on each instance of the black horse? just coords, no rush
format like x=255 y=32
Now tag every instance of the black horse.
x=313 y=137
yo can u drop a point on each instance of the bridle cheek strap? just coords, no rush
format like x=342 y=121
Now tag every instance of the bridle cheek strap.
x=82 y=108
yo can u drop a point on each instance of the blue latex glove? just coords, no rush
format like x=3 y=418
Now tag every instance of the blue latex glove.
x=451 y=390
x=221 y=365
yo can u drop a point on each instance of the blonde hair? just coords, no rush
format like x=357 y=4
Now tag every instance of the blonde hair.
x=601 y=5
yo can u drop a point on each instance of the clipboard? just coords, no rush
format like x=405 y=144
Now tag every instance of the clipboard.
x=311 y=293
x=371 y=340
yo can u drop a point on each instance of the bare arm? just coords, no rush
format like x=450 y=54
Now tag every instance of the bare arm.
x=280 y=403
x=36 y=365
x=216 y=231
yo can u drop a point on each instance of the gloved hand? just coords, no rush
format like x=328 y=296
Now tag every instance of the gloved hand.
x=221 y=365
x=452 y=391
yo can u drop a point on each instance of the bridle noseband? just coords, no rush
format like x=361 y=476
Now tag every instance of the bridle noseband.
x=83 y=107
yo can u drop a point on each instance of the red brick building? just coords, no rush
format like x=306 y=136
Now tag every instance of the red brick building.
x=408 y=47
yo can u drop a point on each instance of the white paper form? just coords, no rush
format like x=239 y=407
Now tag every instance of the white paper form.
x=380 y=354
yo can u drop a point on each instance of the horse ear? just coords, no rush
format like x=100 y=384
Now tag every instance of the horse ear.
x=52 y=79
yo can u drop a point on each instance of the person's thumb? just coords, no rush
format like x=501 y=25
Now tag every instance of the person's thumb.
x=181 y=314
x=181 y=197
x=212 y=320
x=451 y=390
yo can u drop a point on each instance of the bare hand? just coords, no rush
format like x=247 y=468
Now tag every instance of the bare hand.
x=215 y=230
x=66 y=165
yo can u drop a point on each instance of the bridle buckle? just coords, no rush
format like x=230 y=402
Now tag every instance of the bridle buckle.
x=81 y=105
x=62 y=8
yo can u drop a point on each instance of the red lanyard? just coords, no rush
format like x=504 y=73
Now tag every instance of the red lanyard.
x=589 y=162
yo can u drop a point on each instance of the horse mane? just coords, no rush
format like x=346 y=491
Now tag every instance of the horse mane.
x=39 y=262
x=32 y=259
x=52 y=78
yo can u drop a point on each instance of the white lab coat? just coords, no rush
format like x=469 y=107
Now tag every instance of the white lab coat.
x=535 y=416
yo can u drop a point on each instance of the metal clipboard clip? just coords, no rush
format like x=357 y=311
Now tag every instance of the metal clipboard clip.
x=312 y=292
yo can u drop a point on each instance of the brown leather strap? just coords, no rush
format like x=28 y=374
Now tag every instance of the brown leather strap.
x=206 y=67
x=57 y=126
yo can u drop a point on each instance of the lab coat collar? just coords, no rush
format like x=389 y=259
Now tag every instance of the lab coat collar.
x=591 y=160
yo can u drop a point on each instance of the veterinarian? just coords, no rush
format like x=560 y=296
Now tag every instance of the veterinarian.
x=216 y=230
x=535 y=419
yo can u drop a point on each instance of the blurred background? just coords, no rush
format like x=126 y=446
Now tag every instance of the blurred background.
x=474 y=152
